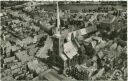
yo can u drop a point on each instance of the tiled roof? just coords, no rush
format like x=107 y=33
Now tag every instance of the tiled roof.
x=82 y=31
x=36 y=66
x=70 y=50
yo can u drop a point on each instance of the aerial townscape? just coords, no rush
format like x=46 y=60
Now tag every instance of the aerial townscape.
x=63 y=40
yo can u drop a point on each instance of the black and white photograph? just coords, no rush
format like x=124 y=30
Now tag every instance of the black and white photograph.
x=63 y=40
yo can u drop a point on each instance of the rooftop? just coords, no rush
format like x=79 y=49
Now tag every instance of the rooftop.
x=70 y=50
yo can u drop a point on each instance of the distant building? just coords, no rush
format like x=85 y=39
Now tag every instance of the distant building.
x=10 y=59
x=23 y=56
x=107 y=23
x=36 y=67
x=8 y=78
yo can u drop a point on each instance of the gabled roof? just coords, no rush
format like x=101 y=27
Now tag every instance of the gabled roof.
x=36 y=66
x=63 y=56
x=82 y=31
x=23 y=56
x=111 y=19
x=70 y=50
